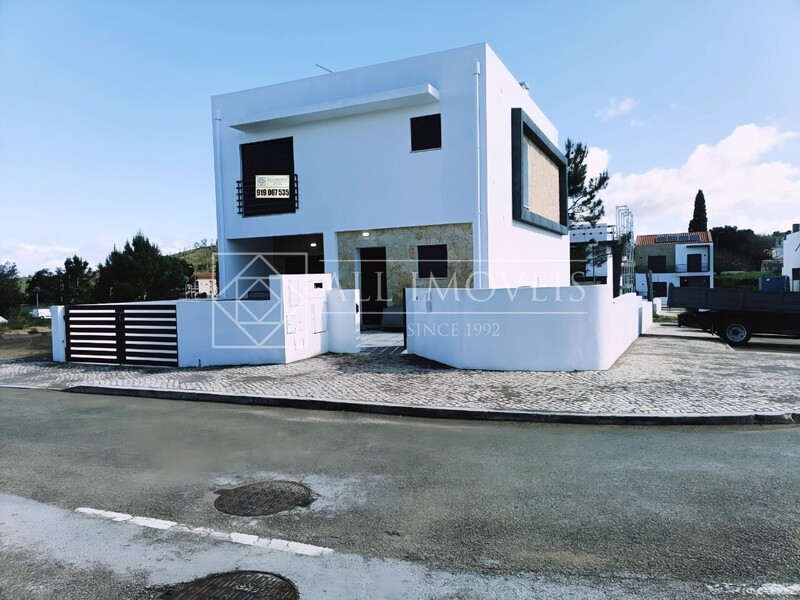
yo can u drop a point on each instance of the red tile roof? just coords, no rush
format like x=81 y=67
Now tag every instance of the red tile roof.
x=646 y=240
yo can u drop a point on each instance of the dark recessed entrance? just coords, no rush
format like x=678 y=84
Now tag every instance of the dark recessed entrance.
x=239 y=585
x=284 y=254
x=373 y=285
x=262 y=498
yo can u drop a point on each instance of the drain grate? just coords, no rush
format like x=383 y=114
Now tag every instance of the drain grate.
x=239 y=585
x=262 y=498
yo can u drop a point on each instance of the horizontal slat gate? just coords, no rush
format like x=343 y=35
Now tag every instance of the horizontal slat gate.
x=132 y=334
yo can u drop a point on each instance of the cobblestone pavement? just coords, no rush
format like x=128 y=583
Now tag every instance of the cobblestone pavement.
x=668 y=371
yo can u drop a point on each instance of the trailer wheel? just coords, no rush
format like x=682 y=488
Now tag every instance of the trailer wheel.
x=736 y=333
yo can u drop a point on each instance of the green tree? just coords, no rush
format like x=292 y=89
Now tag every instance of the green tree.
x=584 y=204
x=140 y=272
x=78 y=281
x=699 y=220
x=739 y=249
x=45 y=285
x=11 y=296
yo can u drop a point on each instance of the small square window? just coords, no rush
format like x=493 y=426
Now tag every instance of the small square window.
x=426 y=132
x=432 y=261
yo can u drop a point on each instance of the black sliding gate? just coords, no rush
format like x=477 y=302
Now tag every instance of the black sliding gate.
x=126 y=334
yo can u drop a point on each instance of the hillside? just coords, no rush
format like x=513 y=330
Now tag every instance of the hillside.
x=201 y=258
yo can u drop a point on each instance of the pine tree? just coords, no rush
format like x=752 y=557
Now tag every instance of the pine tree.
x=699 y=220
x=584 y=203
x=77 y=280
x=140 y=272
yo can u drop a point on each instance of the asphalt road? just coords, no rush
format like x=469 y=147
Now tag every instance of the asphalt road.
x=412 y=508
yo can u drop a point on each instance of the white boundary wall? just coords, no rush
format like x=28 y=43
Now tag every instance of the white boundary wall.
x=297 y=322
x=528 y=329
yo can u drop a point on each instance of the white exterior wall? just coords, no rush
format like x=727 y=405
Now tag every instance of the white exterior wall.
x=292 y=325
x=707 y=252
x=538 y=329
x=519 y=254
x=356 y=171
x=791 y=257
x=59 y=334
x=207 y=286
x=673 y=278
x=602 y=232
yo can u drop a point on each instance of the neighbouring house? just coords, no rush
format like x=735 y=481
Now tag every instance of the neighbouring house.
x=203 y=284
x=791 y=257
x=590 y=250
x=774 y=264
x=681 y=259
x=438 y=168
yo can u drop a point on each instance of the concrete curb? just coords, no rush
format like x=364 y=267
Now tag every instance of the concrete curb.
x=431 y=412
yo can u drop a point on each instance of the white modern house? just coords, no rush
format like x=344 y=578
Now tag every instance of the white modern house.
x=433 y=184
x=415 y=169
x=791 y=257
x=680 y=259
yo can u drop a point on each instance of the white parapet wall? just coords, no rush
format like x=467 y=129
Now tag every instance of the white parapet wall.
x=530 y=329
x=301 y=318
x=59 y=334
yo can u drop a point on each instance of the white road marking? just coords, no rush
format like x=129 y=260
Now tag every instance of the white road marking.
x=153 y=523
x=766 y=590
x=236 y=538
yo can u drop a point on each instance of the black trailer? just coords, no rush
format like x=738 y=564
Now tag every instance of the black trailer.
x=735 y=315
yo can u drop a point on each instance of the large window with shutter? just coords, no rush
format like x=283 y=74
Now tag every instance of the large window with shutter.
x=272 y=163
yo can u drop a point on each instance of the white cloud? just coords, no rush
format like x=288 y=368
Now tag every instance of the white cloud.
x=644 y=123
x=616 y=108
x=30 y=257
x=44 y=248
x=741 y=187
x=596 y=161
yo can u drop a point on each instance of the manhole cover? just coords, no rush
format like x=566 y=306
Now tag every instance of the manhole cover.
x=263 y=498
x=240 y=585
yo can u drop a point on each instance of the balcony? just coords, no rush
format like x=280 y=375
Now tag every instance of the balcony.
x=695 y=267
x=249 y=205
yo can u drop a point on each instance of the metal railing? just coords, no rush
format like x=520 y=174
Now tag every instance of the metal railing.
x=250 y=206
x=685 y=268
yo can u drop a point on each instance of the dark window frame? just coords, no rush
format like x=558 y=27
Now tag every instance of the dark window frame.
x=426 y=132
x=657 y=258
x=432 y=264
x=522 y=128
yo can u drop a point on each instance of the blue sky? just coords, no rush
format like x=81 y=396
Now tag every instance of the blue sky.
x=105 y=124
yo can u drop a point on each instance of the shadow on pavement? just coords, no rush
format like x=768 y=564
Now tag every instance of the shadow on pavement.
x=770 y=344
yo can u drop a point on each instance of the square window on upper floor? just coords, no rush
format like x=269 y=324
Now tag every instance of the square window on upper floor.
x=426 y=132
